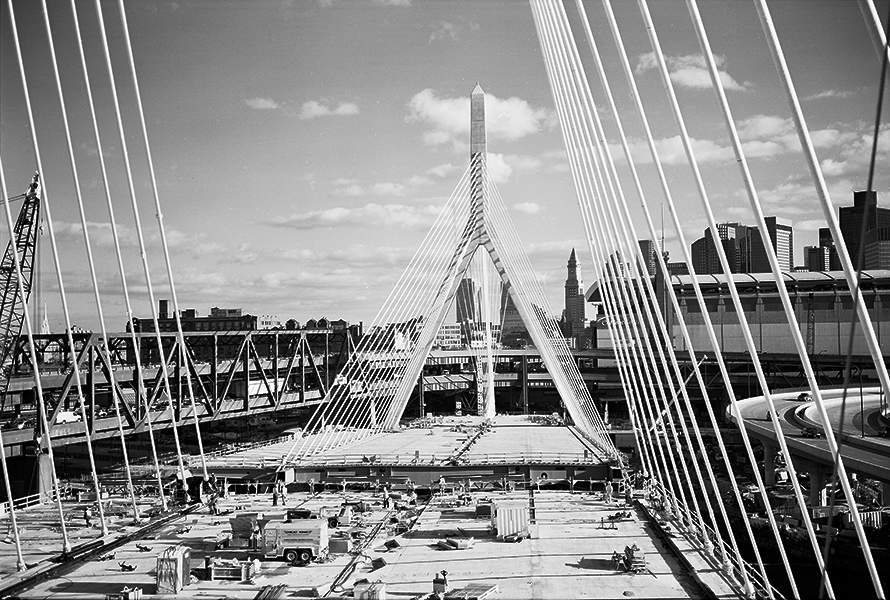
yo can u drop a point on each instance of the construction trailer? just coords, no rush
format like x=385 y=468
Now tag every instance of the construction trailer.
x=297 y=541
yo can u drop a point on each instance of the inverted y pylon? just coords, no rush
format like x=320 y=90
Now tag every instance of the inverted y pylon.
x=371 y=393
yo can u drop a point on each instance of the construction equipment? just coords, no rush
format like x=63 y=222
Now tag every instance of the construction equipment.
x=632 y=560
x=298 y=541
x=12 y=312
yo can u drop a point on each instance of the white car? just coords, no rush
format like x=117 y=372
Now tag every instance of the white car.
x=67 y=416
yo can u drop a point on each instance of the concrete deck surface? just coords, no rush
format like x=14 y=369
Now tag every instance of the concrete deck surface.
x=571 y=558
x=513 y=439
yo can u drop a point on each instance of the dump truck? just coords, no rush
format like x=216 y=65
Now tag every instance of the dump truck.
x=297 y=541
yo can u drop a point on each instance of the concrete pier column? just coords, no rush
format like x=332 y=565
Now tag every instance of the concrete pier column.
x=817 y=486
x=769 y=464
x=44 y=477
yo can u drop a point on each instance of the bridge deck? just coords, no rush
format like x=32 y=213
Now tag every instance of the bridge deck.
x=512 y=440
x=571 y=557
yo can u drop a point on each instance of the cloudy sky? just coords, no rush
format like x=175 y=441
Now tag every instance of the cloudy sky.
x=303 y=148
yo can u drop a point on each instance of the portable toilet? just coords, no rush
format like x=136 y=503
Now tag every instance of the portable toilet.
x=174 y=569
x=509 y=517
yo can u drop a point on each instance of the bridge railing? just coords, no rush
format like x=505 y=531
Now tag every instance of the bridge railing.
x=26 y=502
x=721 y=552
x=491 y=458
x=504 y=458
x=234 y=448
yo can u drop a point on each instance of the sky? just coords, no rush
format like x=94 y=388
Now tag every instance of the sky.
x=302 y=149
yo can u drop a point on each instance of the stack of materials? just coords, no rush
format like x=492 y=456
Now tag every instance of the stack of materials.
x=456 y=544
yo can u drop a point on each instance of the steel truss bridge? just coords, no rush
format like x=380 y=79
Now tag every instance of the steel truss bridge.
x=235 y=374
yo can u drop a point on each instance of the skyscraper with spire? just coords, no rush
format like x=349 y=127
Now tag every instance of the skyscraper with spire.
x=575 y=302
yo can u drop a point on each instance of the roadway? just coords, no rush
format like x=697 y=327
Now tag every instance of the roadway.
x=864 y=451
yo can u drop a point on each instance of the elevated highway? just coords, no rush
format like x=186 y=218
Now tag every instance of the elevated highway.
x=863 y=444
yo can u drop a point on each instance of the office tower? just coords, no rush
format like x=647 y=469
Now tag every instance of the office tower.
x=817 y=258
x=781 y=235
x=648 y=249
x=826 y=241
x=513 y=329
x=859 y=219
x=877 y=249
x=704 y=252
x=466 y=300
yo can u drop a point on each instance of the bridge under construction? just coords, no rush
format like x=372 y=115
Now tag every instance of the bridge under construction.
x=691 y=495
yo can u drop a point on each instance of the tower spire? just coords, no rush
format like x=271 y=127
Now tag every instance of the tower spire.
x=477 y=122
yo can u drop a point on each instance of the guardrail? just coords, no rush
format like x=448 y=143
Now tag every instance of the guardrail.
x=26 y=502
x=503 y=458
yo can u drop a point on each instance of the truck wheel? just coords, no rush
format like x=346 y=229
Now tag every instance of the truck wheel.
x=333 y=522
x=290 y=556
x=305 y=556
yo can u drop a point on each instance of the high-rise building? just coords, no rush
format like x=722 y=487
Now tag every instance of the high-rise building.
x=513 y=329
x=859 y=219
x=817 y=258
x=826 y=241
x=704 y=252
x=781 y=235
x=466 y=302
x=575 y=301
x=648 y=249
x=744 y=248
x=877 y=249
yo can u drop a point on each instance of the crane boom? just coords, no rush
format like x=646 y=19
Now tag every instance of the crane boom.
x=12 y=312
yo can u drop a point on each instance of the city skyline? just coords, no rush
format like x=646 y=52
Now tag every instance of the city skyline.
x=299 y=168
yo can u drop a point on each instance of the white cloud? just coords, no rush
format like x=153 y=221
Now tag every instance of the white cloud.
x=393 y=2
x=101 y=236
x=453 y=31
x=498 y=168
x=829 y=94
x=315 y=108
x=417 y=180
x=353 y=190
x=370 y=215
x=388 y=188
x=809 y=224
x=843 y=150
x=444 y=30
x=670 y=151
x=447 y=120
x=529 y=208
x=765 y=126
x=262 y=103
x=690 y=71
x=523 y=162
x=443 y=170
